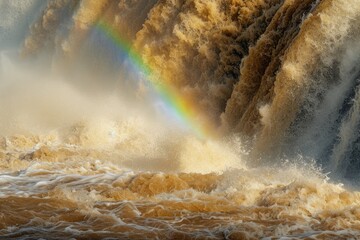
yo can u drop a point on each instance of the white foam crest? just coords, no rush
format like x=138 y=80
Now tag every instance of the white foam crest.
x=254 y=181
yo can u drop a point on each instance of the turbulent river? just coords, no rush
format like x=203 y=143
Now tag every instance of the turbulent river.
x=179 y=119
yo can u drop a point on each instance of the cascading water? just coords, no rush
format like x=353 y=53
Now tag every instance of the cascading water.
x=179 y=119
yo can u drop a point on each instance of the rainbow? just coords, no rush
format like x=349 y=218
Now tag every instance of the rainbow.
x=183 y=109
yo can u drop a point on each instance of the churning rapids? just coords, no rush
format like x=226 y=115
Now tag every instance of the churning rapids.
x=179 y=119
